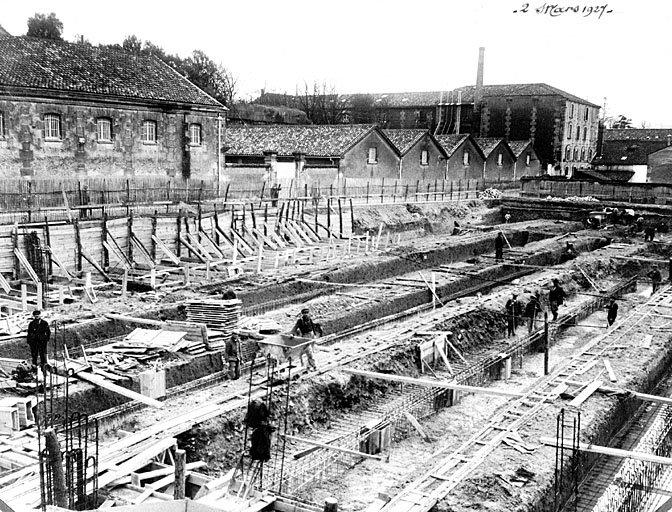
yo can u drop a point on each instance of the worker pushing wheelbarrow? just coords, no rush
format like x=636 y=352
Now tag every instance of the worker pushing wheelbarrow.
x=297 y=344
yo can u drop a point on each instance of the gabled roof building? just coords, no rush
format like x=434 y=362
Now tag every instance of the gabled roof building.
x=74 y=109
x=499 y=159
x=464 y=158
x=527 y=161
x=422 y=157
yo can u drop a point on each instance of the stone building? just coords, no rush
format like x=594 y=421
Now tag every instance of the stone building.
x=527 y=162
x=422 y=157
x=499 y=159
x=464 y=158
x=308 y=153
x=76 y=110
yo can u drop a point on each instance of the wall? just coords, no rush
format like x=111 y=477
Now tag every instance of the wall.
x=493 y=171
x=354 y=163
x=125 y=154
x=455 y=170
x=659 y=166
x=522 y=169
x=581 y=151
x=436 y=167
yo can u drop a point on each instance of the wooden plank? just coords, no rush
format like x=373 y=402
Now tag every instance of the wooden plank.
x=432 y=383
x=144 y=253
x=95 y=264
x=4 y=284
x=137 y=461
x=646 y=342
x=161 y=245
x=456 y=351
x=443 y=356
x=614 y=452
x=194 y=241
x=184 y=242
x=585 y=394
x=26 y=265
x=118 y=253
x=211 y=243
x=105 y=384
x=57 y=260
x=610 y=370
x=331 y=447
x=416 y=425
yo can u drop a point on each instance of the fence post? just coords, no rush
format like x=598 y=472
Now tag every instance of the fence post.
x=367 y=192
x=382 y=190
x=417 y=187
x=394 y=196
x=128 y=191
x=435 y=188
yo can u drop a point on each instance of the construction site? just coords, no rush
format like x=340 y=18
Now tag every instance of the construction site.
x=440 y=373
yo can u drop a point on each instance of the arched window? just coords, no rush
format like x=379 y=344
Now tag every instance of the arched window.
x=500 y=159
x=568 y=154
x=424 y=157
x=104 y=129
x=465 y=158
x=576 y=154
x=149 y=131
x=528 y=159
x=52 y=126
x=583 y=155
x=569 y=131
x=585 y=132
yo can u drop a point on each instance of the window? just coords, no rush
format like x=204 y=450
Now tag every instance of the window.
x=149 y=131
x=52 y=126
x=586 y=114
x=578 y=132
x=373 y=156
x=104 y=129
x=528 y=159
x=568 y=154
x=571 y=110
x=500 y=159
x=585 y=132
x=465 y=158
x=583 y=155
x=576 y=154
x=424 y=157
x=2 y=125
x=569 y=131
x=195 y=134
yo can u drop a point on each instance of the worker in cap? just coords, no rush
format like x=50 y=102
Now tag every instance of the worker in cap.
x=306 y=328
x=232 y=352
x=556 y=298
x=38 y=336
x=655 y=276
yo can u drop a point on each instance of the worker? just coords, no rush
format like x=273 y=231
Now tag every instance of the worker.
x=556 y=298
x=38 y=336
x=649 y=233
x=612 y=312
x=229 y=294
x=507 y=217
x=511 y=315
x=499 y=246
x=639 y=224
x=655 y=276
x=306 y=328
x=517 y=311
x=258 y=419
x=569 y=253
x=232 y=352
x=531 y=309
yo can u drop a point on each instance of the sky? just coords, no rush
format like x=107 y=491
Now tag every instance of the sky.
x=615 y=55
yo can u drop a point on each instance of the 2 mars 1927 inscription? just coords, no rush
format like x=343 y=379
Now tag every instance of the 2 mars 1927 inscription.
x=555 y=10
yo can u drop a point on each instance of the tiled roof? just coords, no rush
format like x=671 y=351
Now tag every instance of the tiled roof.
x=3 y=32
x=450 y=143
x=518 y=146
x=312 y=140
x=404 y=140
x=651 y=134
x=487 y=144
x=46 y=64
x=628 y=152
x=538 y=89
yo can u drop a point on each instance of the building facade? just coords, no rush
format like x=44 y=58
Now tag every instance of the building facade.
x=527 y=162
x=76 y=110
x=464 y=159
x=499 y=159
x=422 y=158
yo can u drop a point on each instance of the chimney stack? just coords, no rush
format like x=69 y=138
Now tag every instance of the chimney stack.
x=478 y=94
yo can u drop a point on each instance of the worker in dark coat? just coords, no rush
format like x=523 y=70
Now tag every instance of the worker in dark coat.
x=655 y=276
x=612 y=312
x=306 y=328
x=499 y=246
x=39 y=333
x=556 y=298
x=649 y=233
x=532 y=309
x=232 y=352
x=511 y=315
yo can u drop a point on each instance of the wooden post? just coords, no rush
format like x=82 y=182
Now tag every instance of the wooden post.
x=178 y=245
x=61 y=295
x=153 y=246
x=367 y=192
x=180 y=473
x=259 y=257
x=152 y=278
x=24 y=297
x=352 y=218
x=394 y=195
x=186 y=273
x=340 y=217
x=106 y=254
x=254 y=218
x=40 y=295
x=330 y=505
x=55 y=461
x=78 y=246
x=207 y=270
x=48 y=240
x=15 y=246
x=130 y=235
x=216 y=217
x=124 y=283
x=382 y=191
x=316 y=223
x=329 y=215
x=546 y=343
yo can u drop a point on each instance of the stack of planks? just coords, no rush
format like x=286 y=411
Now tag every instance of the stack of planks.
x=223 y=315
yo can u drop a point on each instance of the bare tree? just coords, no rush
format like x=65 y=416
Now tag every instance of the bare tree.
x=321 y=103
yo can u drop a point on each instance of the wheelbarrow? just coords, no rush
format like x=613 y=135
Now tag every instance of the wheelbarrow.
x=282 y=347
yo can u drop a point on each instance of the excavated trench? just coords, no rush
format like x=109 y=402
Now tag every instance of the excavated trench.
x=319 y=402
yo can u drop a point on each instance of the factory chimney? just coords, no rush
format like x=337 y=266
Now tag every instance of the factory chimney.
x=478 y=95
